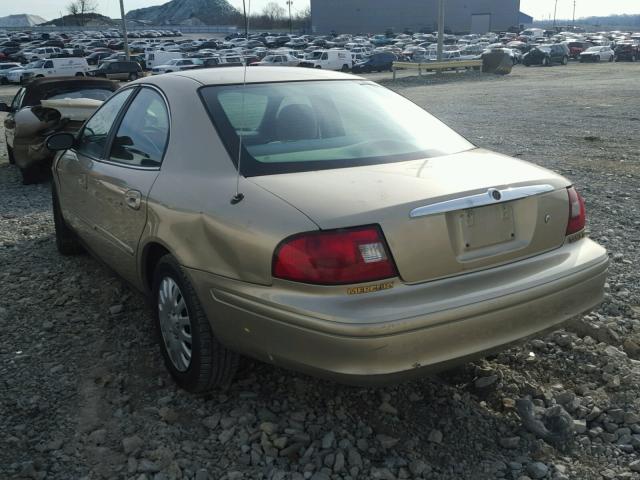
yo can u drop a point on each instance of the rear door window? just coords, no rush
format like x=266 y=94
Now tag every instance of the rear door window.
x=143 y=133
x=94 y=135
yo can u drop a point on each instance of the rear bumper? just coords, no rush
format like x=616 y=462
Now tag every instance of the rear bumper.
x=408 y=330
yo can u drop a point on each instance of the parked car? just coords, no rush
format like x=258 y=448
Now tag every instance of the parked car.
x=627 y=51
x=378 y=62
x=278 y=61
x=176 y=65
x=53 y=67
x=96 y=57
x=331 y=218
x=5 y=68
x=547 y=55
x=334 y=59
x=577 y=47
x=597 y=54
x=25 y=132
x=118 y=70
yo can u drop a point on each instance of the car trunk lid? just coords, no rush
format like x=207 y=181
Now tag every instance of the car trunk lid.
x=440 y=216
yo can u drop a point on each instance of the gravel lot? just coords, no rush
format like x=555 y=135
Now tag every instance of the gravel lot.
x=85 y=395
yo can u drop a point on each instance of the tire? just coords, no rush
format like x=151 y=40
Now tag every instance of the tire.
x=210 y=364
x=545 y=62
x=633 y=58
x=611 y=58
x=582 y=60
x=12 y=159
x=133 y=77
x=79 y=74
x=319 y=67
x=3 y=80
x=345 y=68
x=66 y=239
x=39 y=76
x=565 y=60
x=526 y=65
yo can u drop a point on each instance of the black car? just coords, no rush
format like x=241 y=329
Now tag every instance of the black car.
x=627 y=51
x=118 y=70
x=96 y=57
x=378 y=62
x=547 y=55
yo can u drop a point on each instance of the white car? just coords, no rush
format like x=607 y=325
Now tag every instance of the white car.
x=42 y=53
x=5 y=68
x=176 y=65
x=597 y=54
x=278 y=61
x=53 y=67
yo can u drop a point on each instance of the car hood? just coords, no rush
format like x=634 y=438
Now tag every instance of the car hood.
x=355 y=196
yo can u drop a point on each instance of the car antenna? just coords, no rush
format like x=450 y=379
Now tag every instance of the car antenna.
x=238 y=197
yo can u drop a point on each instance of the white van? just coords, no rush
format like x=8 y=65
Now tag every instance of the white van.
x=334 y=59
x=53 y=67
x=532 y=34
x=160 y=57
x=43 y=52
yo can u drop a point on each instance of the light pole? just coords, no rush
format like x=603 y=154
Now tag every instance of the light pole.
x=289 y=3
x=574 y=13
x=440 y=29
x=124 y=32
x=555 y=9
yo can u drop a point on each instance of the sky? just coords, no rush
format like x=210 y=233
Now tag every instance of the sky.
x=539 y=9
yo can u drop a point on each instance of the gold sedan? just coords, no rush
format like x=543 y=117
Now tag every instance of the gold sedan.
x=318 y=221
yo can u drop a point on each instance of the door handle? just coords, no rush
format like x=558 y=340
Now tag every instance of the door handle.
x=133 y=199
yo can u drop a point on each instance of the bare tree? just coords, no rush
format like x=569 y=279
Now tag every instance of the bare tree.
x=273 y=11
x=78 y=8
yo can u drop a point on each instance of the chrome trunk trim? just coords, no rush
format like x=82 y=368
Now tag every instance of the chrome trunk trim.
x=491 y=197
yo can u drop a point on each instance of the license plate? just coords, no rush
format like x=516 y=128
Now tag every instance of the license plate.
x=486 y=226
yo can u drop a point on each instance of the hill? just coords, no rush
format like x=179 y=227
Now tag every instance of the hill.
x=21 y=20
x=89 y=20
x=186 y=12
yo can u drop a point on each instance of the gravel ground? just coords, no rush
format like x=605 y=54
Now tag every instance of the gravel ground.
x=84 y=393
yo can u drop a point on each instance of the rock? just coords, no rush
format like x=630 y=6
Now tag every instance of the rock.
x=537 y=470
x=202 y=474
x=387 y=408
x=510 y=442
x=147 y=466
x=131 y=444
x=212 y=421
x=485 y=382
x=631 y=348
x=353 y=458
x=226 y=435
x=580 y=426
x=116 y=309
x=328 y=440
x=418 y=467
x=435 y=436
x=269 y=428
x=98 y=437
x=338 y=465
x=635 y=466
x=386 y=441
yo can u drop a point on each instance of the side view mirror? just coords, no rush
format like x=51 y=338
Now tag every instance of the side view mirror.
x=60 y=141
x=4 y=107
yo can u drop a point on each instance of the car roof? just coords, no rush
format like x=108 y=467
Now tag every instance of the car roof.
x=235 y=75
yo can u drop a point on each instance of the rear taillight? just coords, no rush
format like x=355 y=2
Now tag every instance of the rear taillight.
x=334 y=257
x=577 y=212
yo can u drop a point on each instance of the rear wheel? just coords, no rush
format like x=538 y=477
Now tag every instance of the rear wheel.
x=345 y=68
x=192 y=354
x=545 y=62
x=611 y=58
x=565 y=60
x=133 y=76
x=66 y=239
x=633 y=58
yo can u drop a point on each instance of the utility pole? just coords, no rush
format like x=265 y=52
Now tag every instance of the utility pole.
x=124 y=32
x=574 y=13
x=440 y=29
x=289 y=3
x=555 y=9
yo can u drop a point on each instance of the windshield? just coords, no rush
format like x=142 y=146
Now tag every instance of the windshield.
x=92 y=93
x=38 y=64
x=302 y=126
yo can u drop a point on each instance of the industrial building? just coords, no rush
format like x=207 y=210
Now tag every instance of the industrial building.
x=364 y=16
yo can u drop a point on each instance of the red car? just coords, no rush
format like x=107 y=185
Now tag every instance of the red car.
x=576 y=48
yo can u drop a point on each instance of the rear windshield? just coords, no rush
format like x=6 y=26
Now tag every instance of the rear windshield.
x=303 y=126
x=91 y=93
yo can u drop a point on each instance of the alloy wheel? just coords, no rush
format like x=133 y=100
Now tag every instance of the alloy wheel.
x=175 y=324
